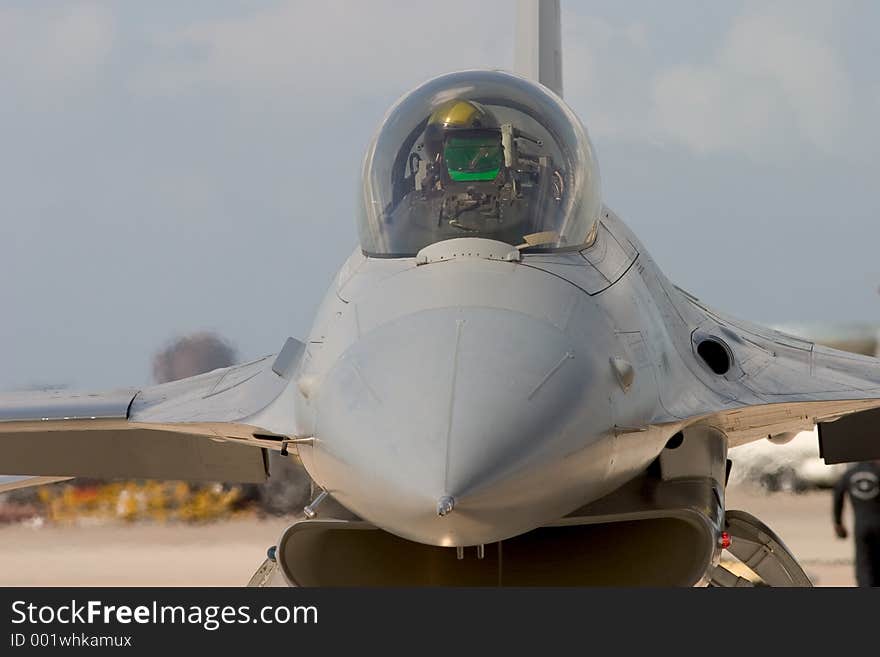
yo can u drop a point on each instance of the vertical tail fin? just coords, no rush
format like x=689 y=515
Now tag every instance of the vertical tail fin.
x=539 y=42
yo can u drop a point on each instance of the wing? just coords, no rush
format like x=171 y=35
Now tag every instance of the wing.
x=212 y=427
x=858 y=338
x=765 y=382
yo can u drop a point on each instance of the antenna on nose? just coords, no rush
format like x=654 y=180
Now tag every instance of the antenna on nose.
x=445 y=505
x=311 y=511
x=538 y=51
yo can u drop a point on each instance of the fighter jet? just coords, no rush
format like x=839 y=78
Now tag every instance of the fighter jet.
x=501 y=387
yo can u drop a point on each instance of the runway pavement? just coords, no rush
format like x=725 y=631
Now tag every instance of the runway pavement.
x=227 y=553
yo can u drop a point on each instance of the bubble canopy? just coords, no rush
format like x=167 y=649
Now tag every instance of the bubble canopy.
x=479 y=154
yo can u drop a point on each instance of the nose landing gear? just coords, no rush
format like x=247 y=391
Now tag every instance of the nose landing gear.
x=761 y=551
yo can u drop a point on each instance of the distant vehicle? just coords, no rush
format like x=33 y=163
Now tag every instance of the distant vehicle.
x=792 y=467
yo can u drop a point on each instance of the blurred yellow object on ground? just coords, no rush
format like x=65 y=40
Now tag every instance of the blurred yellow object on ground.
x=158 y=501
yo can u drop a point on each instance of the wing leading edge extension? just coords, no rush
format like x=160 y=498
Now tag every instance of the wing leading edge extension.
x=777 y=383
x=203 y=428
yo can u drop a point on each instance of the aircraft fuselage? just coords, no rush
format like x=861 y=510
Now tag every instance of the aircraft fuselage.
x=513 y=390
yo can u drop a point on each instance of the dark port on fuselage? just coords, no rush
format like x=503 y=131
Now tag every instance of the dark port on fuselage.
x=715 y=355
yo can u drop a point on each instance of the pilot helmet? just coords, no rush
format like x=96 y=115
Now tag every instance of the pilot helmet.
x=465 y=136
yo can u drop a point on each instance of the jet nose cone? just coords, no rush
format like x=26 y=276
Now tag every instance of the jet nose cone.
x=430 y=425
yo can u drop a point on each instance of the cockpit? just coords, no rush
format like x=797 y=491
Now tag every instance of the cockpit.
x=479 y=154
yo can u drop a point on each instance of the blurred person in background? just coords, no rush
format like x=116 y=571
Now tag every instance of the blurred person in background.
x=861 y=482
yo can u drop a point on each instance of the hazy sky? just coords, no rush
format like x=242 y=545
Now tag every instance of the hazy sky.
x=171 y=167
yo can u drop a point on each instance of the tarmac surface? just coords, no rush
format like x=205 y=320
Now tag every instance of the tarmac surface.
x=227 y=553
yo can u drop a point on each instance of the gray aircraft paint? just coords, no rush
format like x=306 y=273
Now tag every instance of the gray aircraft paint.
x=508 y=389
